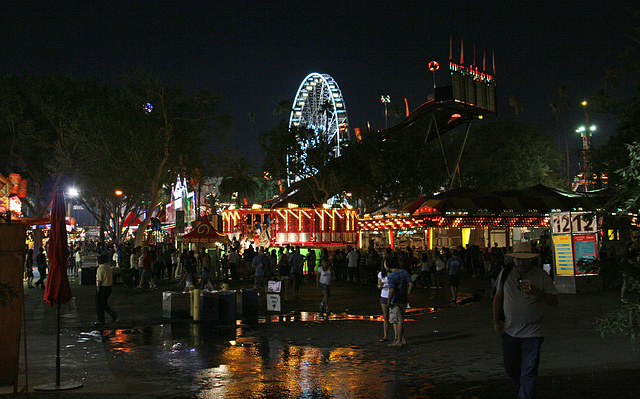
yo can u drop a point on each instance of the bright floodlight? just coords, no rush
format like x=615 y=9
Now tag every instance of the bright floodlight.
x=73 y=192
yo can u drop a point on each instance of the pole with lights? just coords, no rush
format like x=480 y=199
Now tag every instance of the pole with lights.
x=586 y=132
x=385 y=100
x=118 y=218
x=433 y=67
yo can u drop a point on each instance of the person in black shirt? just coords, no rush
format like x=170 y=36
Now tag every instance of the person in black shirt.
x=41 y=261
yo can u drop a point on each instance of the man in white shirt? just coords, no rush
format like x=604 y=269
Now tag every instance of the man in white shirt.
x=352 y=266
x=104 y=281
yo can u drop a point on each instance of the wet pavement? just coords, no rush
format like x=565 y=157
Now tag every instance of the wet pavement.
x=452 y=351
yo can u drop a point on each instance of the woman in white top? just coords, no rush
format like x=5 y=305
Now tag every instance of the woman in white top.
x=383 y=285
x=323 y=281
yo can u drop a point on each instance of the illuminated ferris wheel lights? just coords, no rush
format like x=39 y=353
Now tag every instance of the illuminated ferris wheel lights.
x=320 y=107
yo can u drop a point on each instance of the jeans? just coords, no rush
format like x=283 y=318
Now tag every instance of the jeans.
x=102 y=305
x=521 y=361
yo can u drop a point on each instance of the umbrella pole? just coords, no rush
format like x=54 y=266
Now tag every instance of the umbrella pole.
x=58 y=386
x=24 y=335
x=58 y=344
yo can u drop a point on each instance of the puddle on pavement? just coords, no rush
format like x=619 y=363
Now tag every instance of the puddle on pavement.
x=226 y=361
x=209 y=361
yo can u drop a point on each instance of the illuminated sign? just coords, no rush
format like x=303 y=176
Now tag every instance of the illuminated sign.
x=474 y=73
x=564 y=255
x=584 y=248
x=573 y=222
x=473 y=87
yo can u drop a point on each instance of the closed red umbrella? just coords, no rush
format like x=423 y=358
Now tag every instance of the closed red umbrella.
x=58 y=290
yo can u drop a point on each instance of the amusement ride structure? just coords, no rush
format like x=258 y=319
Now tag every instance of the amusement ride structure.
x=319 y=106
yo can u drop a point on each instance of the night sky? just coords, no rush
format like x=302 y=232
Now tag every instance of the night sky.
x=256 y=54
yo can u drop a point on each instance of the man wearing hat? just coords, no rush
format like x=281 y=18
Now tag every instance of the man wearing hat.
x=518 y=313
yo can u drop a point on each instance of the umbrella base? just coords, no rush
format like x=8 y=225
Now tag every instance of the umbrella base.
x=65 y=386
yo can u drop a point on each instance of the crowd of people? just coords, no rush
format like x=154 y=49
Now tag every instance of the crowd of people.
x=520 y=285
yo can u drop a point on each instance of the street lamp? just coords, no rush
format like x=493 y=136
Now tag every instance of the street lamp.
x=72 y=192
x=385 y=100
x=586 y=114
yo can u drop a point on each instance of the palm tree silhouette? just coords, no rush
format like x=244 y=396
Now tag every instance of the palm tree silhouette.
x=239 y=177
x=283 y=108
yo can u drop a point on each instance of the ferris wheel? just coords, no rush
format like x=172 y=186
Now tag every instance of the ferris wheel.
x=319 y=106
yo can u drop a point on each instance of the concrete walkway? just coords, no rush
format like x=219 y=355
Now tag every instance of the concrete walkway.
x=451 y=351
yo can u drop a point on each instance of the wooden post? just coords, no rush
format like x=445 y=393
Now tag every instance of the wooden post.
x=12 y=247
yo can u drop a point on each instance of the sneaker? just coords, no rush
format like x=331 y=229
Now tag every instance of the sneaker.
x=624 y=300
x=322 y=306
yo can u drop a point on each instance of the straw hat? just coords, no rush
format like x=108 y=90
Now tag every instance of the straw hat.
x=522 y=250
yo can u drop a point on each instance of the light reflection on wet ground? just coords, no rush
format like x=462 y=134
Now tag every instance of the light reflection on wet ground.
x=229 y=361
x=208 y=361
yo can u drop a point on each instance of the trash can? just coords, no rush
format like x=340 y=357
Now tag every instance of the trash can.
x=227 y=306
x=209 y=306
x=175 y=305
x=88 y=275
x=249 y=303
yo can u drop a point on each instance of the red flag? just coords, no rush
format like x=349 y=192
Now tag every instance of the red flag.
x=58 y=289
x=484 y=61
x=461 y=52
x=493 y=56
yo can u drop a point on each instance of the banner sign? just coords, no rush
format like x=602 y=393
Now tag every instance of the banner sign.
x=564 y=255
x=274 y=286
x=584 y=248
x=574 y=238
x=273 y=302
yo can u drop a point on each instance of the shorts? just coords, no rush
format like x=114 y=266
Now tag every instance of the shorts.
x=324 y=287
x=383 y=300
x=454 y=280
x=396 y=313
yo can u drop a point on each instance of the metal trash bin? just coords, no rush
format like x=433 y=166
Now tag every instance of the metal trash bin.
x=249 y=303
x=227 y=306
x=209 y=306
x=175 y=305
x=88 y=275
